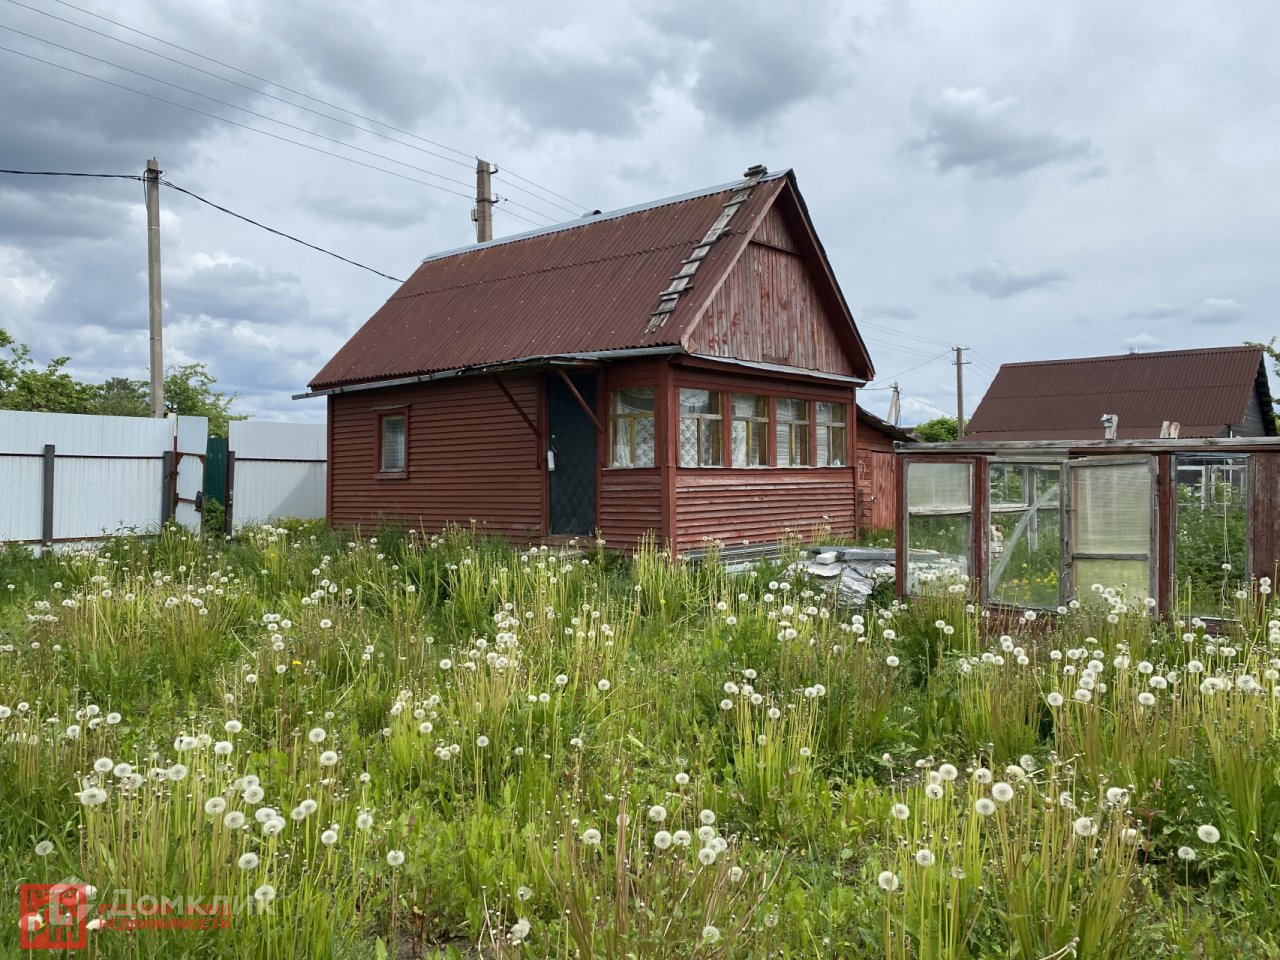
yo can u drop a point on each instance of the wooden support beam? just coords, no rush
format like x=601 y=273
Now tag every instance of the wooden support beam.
x=519 y=409
x=577 y=396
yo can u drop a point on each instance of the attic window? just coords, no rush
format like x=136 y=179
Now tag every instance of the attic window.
x=391 y=446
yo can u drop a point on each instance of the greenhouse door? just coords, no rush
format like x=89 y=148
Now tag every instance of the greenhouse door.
x=1110 y=531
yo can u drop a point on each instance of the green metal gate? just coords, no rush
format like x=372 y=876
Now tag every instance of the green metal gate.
x=215 y=470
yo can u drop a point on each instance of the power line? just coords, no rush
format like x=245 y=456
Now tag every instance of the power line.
x=278 y=233
x=469 y=157
x=932 y=406
x=251 y=89
x=244 y=126
x=917 y=366
x=196 y=196
x=224 y=103
x=62 y=173
x=897 y=348
x=894 y=330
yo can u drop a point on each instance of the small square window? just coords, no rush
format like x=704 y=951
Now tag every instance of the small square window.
x=392 y=446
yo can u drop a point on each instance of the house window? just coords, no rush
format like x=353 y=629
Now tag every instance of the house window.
x=793 y=433
x=392 y=446
x=631 y=427
x=832 y=435
x=700 y=429
x=748 y=429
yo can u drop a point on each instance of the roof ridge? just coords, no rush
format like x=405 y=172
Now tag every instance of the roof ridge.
x=606 y=215
x=1242 y=348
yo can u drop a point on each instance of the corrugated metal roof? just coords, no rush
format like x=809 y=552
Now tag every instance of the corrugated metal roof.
x=583 y=286
x=1205 y=390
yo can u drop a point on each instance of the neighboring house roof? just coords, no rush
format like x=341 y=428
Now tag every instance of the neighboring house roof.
x=590 y=286
x=883 y=426
x=1206 y=391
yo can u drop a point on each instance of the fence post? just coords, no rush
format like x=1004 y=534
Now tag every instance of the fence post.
x=229 y=506
x=46 y=521
x=167 y=478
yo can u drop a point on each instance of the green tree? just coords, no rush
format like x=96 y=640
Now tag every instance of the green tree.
x=122 y=397
x=189 y=390
x=937 y=430
x=1272 y=351
x=25 y=385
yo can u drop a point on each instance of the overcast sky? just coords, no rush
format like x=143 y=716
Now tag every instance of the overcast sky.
x=1031 y=180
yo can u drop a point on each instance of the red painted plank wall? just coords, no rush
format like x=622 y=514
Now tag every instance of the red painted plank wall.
x=761 y=505
x=470 y=456
x=630 y=505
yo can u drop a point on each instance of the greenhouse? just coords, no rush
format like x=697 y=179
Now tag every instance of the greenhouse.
x=1034 y=524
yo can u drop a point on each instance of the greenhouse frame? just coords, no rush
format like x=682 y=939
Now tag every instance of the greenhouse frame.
x=1033 y=525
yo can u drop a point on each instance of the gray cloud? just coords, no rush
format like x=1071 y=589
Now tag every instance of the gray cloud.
x=999 y=281
x=889 y=311
x=573 y=84
x=992 y=137
x=752 y=60
x=1210 y=310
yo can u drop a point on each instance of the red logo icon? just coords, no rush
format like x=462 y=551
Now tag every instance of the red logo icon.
x=53 y=916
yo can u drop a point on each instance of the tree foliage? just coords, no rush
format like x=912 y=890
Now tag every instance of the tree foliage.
x=937 y=430
x=189 y=390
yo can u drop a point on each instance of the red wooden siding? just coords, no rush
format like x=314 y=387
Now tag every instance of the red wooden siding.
x=877 y=483
x=630 y=505
x=760 y=505
x=769 y=309
x=630 y=500
x=470 y=456
x=1266 y=516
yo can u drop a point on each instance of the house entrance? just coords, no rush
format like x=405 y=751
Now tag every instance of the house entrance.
x=571 y=455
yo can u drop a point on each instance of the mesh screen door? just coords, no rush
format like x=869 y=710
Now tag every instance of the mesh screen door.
x=1111 y=531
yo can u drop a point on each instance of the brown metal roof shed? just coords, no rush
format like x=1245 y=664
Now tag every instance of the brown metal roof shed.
x=1210 y=392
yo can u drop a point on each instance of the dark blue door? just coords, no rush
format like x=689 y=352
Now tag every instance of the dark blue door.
x=572 y=438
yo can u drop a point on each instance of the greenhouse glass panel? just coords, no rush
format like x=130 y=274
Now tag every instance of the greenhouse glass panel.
x=1113 y=508
x=939 y=524
x=1024 y=539
x=1210 y=532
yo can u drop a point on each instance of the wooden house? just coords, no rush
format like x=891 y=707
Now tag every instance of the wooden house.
x=1209 y=392
x=685 y=369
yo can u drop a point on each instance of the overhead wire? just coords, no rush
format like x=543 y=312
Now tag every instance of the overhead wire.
x=225 y=103
x=190 y=193
x=298 y=93
x=244 y=126
x=278 y=233
x=922 y=363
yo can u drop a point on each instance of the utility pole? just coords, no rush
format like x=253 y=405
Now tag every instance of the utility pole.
x=960 y=363
x=895 y=406
x=483 y=212
x=152 y=179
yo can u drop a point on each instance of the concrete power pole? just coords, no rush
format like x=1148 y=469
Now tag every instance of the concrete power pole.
x=960 y=365
x=483 y=213
x=152 y=179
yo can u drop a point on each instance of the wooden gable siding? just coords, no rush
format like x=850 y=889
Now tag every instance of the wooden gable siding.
x=470 y=456
x=770 y=310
